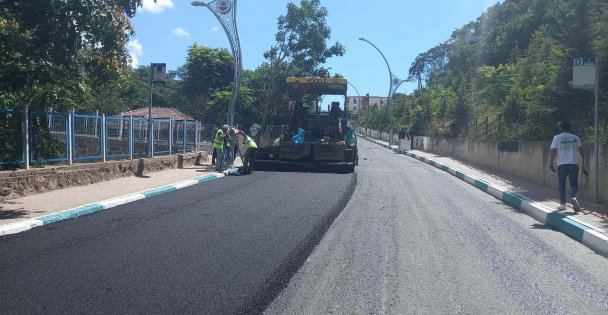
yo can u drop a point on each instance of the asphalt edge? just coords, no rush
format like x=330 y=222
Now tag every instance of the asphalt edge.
x=91 y=208
x=575 y=229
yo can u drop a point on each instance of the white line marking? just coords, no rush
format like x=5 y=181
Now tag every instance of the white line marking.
x=19 y=226
x=121 y=200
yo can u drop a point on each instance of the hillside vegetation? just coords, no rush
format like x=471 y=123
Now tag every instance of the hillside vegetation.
x=507 y=75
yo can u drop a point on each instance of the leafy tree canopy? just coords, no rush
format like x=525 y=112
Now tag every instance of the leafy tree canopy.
x=510 y=73
x=58 y=49
x=300 y=50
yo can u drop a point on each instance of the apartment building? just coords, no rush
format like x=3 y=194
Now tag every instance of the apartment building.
x=357 y=103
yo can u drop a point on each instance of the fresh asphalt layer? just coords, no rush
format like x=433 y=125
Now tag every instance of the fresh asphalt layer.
x=225 y=246
x=575 y=229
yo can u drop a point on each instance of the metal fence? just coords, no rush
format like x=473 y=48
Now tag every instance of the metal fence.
x=11 y=135
x=51 y=137
x=47 y=137
x=541 y=127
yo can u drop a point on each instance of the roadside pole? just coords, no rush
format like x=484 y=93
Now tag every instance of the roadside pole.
x=585 y=72
x=158 y=74
x=596 y=130
x=131 y=142
x=70 y=139
x=25 y=130
x=104 y=137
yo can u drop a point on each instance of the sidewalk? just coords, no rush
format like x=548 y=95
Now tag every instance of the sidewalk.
x=20 y=214
x=589 y=226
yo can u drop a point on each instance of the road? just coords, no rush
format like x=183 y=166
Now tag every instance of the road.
x=415 y=240
x=225 y=246
x=395 y=237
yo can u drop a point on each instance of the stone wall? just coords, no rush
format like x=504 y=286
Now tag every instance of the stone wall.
x=381 y=135
x=525 y=159
x=18 y=183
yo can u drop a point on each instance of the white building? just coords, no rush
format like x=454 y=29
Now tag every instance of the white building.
x=356 y=103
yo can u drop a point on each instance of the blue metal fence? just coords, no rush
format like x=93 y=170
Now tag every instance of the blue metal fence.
x=47 y=137
x=86 y=137
x=11 y=144
x=162 y=135
x=205 y=133
x=117 y=133
x=140 y=137
x=54 y=137
x=189 y=136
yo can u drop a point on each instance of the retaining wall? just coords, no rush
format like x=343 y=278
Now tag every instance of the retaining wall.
x=18 y=183
x=525 y=159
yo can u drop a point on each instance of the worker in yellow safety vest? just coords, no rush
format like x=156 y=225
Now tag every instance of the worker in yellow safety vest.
x=228 y=148
x=217 y=127
x=250 y=153
x=218 y=145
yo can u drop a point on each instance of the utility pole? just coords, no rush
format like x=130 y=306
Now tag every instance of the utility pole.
x=158 y=74
x=225 y=12
x=394 y=82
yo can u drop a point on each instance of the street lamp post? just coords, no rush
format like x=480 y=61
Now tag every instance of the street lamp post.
x=225 y=12
x=394 y=82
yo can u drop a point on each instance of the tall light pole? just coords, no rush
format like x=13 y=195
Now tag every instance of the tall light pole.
x=394 y=82
x=225 y=12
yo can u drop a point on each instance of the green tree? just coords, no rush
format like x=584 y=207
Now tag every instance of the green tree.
x=132 y=91
x=206 y=72
x=245 y=115
x=515 y=61
x=300 y=50
x=54 y=51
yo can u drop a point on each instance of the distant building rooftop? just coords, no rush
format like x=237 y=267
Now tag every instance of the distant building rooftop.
x=158 y=113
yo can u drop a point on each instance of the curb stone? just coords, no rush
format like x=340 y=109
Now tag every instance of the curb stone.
x=106 y=204
x=575 y=229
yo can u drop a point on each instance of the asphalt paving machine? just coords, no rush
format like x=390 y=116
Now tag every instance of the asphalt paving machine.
x=312 y=136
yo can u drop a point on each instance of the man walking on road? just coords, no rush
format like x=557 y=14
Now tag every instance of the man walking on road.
x=565 y=147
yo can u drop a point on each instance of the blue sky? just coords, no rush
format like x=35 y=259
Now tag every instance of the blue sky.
x=401 y=29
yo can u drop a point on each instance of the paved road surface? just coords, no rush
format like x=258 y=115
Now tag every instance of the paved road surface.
x=415 y=240
x=224 y=246
x=411 y=239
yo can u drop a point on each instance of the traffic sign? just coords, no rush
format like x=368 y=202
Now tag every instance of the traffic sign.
x=584 y=73
x=159 y=72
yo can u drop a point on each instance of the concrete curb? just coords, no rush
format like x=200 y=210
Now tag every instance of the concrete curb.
x=572 y=227
x=103 y=205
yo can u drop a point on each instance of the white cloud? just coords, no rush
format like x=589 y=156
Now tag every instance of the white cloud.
x=214 y=29
x=136 y=50
x=158 y=6
x=180 y=32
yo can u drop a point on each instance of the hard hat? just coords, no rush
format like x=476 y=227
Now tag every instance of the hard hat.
x=225 y=126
